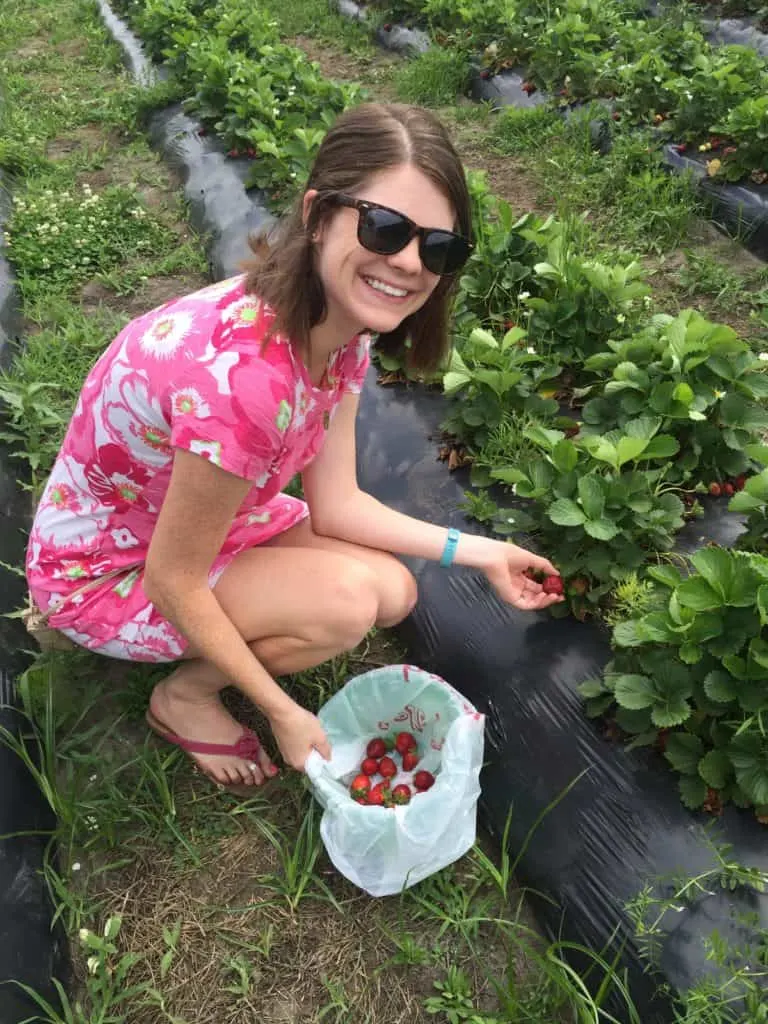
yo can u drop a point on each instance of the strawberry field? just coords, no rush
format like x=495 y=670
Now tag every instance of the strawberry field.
x=611 y=415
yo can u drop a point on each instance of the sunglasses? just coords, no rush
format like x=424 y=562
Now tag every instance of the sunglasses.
x=385 y=232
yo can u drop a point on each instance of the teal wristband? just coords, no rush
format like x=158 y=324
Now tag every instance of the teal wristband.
x=450 y=548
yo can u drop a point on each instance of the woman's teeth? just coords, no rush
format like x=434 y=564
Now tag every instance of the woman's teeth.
x=387 y=289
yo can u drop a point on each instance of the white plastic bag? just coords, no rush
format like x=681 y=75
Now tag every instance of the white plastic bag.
x=384 y=850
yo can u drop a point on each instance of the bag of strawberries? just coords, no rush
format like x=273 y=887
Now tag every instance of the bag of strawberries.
x=400 y=791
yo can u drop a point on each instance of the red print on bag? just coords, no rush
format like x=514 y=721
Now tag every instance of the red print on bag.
x=383 y=726
x=414 y=716
x=407 y=673
x=437 y=744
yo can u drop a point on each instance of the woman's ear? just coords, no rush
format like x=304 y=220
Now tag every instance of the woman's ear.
x=306 y=204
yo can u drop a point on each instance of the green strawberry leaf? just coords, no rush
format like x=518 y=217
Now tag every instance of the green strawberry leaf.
x=684 y=751
x=720 y=687
x=693 y=791
x=565 y=512
x=749 y=754
x=670 y=712
x=715 y=768
x=716 y=565
x=591 y=687
x=666 y=574
x=696 y=593
x=601 y=529
x=634 y=691
x=592 y=496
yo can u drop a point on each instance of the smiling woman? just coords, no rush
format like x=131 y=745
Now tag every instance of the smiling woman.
x=164 y=534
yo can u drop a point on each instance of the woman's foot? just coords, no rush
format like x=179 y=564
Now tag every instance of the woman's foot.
x=193 y=714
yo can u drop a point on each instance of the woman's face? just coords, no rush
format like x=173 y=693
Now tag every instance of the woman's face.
x=365 y=290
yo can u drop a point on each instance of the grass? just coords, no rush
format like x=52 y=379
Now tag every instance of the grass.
x=181 y=903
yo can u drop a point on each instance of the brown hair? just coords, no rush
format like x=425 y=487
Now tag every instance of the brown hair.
x=367 y=139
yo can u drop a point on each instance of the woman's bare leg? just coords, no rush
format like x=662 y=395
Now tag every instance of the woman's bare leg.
x=298 y=600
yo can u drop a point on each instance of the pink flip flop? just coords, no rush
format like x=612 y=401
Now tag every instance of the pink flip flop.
x=246 y=747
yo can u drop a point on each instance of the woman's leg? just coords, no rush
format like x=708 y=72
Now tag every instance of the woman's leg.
x=298 y=600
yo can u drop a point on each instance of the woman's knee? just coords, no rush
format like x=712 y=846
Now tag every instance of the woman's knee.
x=398 y=593
x=352 y=607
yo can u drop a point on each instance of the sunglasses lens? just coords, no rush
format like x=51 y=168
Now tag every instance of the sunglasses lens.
x=443 y=252
x=383 y=231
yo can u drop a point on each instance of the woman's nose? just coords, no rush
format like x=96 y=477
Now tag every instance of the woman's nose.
x=408 y=259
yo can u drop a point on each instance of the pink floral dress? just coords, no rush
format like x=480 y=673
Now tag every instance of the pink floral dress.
x=194 y=375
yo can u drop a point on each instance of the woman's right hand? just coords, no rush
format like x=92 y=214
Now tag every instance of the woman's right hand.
x=298 y=732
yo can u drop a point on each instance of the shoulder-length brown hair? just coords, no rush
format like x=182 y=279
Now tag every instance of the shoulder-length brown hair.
x=363 y=141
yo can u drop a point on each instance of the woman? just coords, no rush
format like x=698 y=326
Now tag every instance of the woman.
x=163 y=534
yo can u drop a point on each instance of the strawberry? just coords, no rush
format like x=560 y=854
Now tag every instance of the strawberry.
x=728 y=489
x=381 y=794
x=423 y=781
x=715 y=489
x=376 y=748
x=739 y=482
x=401 y=794
x=410 y=760
x=370 y=766
x=528 y=88
x=387 y=767
x=553 y=585
x=405 y=742
x=387 y=26
x=361 y=784
x=233 y=152
x=616 y=116
x=485 y=74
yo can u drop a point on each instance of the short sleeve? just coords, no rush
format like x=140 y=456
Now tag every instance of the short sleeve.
x=233 y=406
x=356 y=363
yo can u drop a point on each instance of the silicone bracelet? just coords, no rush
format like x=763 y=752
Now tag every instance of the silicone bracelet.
x=450 y=548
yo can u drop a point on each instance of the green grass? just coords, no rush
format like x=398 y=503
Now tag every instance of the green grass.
x=433 y=79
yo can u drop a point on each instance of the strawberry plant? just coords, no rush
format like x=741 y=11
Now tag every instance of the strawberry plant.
x=599 y=504
x=705 y=383
x=491 y=378
x=689 y=676
x=752 y=501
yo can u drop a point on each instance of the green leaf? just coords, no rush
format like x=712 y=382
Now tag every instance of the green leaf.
x=715 y=768
x=629 y=448
x=716 y=565
x=691 y=653
x=592 y=496
x=683 y=393
x=565 y=512
x=508 y=475
x=696 y=593
x=666 y=574
x=749 y=754
x=670 y=712
x=601 y=529
x=479 y=336
x=591 y=688
x=720 y=686
x=664 y=446
x=565 y=455
x=693 y=791
x=626 y=634
x=634 y=692
x=684 y=751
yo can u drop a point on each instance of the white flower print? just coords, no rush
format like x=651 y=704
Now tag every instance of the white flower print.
x=137 y=422
x=123 y=538
x=210 y=450
x=242 y=312
x=165 y=334
x=189 y=400
x=258 y=517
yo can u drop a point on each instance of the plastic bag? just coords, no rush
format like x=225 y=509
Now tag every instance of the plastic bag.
x=384 y=850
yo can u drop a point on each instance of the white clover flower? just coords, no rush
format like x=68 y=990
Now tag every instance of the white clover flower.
x=76 y=866
x=531 y=350
x=524 y=295
x=763 y=357
x=620 y=319
x=84 y=934
x=647 y=301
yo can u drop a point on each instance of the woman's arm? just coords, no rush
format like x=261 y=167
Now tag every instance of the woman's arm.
x=196 y=515
x=340 y=509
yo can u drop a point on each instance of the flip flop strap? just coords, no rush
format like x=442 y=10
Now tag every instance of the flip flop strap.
x=247 y=747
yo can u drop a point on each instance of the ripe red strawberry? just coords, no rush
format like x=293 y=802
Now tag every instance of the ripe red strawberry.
x=387 y=767
x=423 y=781
x=387 y=26
x=360 y=787
x=376 y=748
x=739 y=482
x=381 y=794
x=401 y=794
x=370 y=766
x=715 y=489
x=528 y=88
x=410 y=760
x=233 y=152
x=405 y=742
x=616 y=116
x=553 y=585
x=728 y=489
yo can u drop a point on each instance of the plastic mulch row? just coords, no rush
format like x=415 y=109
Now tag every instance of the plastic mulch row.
x=621 y=824
x=741 y=210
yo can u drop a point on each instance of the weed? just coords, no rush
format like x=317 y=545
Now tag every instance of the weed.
x=434 y=78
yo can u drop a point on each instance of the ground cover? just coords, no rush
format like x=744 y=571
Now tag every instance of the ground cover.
x=181 y=903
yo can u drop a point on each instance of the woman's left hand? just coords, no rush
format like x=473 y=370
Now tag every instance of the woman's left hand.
x=506 y=572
